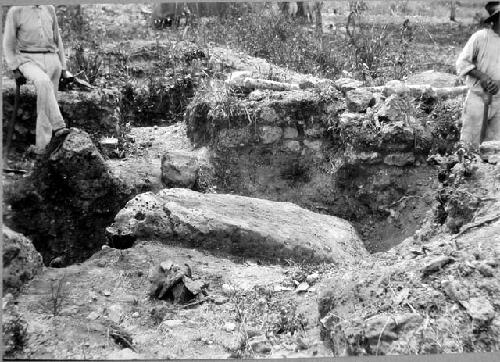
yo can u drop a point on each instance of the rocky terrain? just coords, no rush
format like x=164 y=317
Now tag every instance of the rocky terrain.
x=286 y=215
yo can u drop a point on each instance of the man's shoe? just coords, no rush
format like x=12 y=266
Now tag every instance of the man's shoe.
x=34 y=152
x=61 y=132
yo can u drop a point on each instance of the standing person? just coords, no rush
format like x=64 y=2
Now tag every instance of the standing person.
x=34 y=49
x=479 y=63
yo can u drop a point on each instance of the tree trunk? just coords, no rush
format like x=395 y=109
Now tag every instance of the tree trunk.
x=319 y=19
x=453 y=8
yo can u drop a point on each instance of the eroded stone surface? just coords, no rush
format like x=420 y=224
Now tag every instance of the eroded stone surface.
x=238 y=225
x=21 y=261
x=181 y=168
x=68 y=200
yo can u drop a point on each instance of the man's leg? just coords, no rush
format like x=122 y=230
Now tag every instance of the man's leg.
x=472 y=119
x=48 y=115
x=54 y=69
x=493 y=131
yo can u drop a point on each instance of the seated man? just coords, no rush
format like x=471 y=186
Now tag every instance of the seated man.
x=33 y=48
x=479 y=62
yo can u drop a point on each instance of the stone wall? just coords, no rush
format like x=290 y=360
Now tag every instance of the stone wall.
x=96 y=111
x=355 y=153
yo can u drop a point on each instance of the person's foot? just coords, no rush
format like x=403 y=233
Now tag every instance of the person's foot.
x=61 y=132
x=33 y=152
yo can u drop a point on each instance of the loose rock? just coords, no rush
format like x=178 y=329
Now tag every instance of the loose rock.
x=312 y=278
x=436 y=264
x=302 y=287
x=173 y=282
x=115 y=313
x=480 y=309
x=229 y=327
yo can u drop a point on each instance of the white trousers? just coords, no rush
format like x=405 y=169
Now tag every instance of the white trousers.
x=44 y=70
x=472 y=119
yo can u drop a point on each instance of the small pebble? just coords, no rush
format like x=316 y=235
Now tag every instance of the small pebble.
x=93 y=316
x=107 y=293
x=302 y=287
x=135 y=315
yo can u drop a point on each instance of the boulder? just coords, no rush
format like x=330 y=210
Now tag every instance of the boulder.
x=358 y=100
x=68 y=200
x=21 y=261
x=395 y=108
x=174 y=283
x=237 y=225
x=181 y=168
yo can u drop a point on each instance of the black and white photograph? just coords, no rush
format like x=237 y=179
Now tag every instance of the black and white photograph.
x=249 y=180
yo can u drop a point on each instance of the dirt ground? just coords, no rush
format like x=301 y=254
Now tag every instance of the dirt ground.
x=251 y=309
x=114 y=278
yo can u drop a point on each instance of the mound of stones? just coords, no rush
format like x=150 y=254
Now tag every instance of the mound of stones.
x=237 y=225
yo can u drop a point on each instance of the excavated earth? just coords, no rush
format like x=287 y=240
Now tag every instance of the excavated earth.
x=301 y=183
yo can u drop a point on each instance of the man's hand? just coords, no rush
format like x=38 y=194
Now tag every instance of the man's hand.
x=489 y=85
x=19 y=77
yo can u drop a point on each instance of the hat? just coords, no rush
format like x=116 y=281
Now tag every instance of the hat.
x=493 y=9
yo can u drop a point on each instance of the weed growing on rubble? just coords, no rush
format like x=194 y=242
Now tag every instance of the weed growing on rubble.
x=57 y=297
x=264 y=317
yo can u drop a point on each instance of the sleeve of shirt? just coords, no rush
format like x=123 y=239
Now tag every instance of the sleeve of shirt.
x=57 y=34
x=467 y=59
x=9 y=40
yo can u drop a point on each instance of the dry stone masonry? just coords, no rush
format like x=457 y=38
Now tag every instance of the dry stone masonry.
x=96 y=111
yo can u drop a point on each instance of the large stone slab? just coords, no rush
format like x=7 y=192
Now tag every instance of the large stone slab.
x=237 y=225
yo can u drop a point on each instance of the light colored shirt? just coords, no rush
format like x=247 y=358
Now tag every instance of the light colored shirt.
x=482 y=52
x=31 y=28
